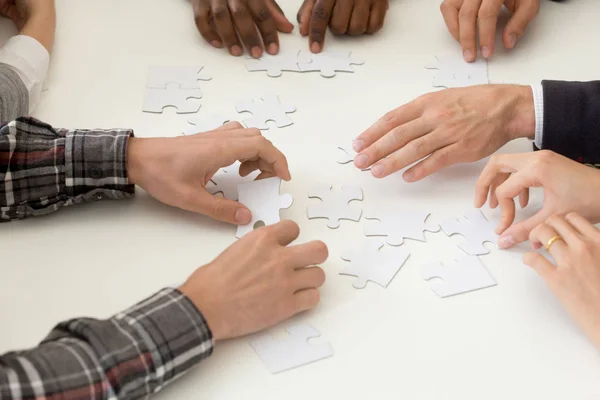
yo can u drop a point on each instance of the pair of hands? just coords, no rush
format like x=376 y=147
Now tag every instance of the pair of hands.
x=258 y=22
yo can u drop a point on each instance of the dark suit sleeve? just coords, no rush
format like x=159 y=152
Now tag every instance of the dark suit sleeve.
x=572 y=119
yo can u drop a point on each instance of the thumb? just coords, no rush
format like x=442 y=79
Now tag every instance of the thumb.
x=283 y=24
x=515 y=29
x=519 y=232
x=304 y=16
x=219 y=208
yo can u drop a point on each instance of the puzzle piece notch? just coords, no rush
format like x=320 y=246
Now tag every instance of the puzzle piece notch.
x=205 y=124
x=155 y=100
x=476 y=230
x=335 y=205
x=292 y=352
x=264 y=201
x=186 y=77
x=328 y=63
x=276 y=64
x=464 y=274
x=454 y=72
x=398 y=225
x=371 y=264
x=264 y=109
x=227 y=179
x=346 y=155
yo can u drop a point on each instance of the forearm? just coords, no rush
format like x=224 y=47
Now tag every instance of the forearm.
x=41 y=24
x=43 y=169
x=129 y=356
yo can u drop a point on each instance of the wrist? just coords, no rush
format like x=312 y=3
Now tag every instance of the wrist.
x=134 y=160
x=522 y=123
x=201 y=299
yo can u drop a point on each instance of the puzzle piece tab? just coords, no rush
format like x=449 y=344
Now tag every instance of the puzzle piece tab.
x=465 y=274
x=275 y=64
x=475 y=228
x=346 y=155
x=227 y=179
x=292 y=352
x=454 y=71
x=371 y=264
x=398 y=224
x=155 y=100
x=328 y=63
x=267 y=108
x=184 y=77
x=205 y=124
x=334 y=204
x=264 y=201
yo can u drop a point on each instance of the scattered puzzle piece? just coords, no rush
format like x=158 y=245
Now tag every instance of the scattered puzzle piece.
x=185 y=77
x=292 y=352
x=398 y=224
x=328 y=63
x=264 y=201
x=454 y=71
x=475 y=228
x=227 y=179
x=275 y=64
x=155 y=100
x=205 y=124
x=346 y=155
x=334 y=205
x=371 y=264
x=465 y=274
x=264 y=109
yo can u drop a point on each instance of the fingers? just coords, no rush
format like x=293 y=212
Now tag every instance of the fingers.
x=524 y=198
x=467 y=18
x=340 y=17
x=500 y=179
x=438 y=160
x=319 y=20
x=540 y=264
x=303 y=255
x=360 y=18
x=303 y=16
x=203 y=23
x=519 y=232
x=232 y=125
x=218 y=208
x=244 y=23
x=281 y=22
x=450 y=13
x=284 y=232
x=306 y=299
x=263 y=18
x=506 y=192
x=582 y=225
x=487 y=19
x=256 y=147
x=377 y=17
x=541 y=235
x=515 y=29
x=508 y=163
x=308 y=278
x=224 y=25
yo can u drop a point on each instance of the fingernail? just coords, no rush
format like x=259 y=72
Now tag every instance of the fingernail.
x=409 y=176
x=506 y=241
x=216 y=43
x=485 y=51
x=256 y=52
x=272 y=48
x=315 y=47
x=236 y=51
x=361 y=161
x=468 y=55
x=358 y=145
x=512 y=40
x=378 y=170
x=242 y=216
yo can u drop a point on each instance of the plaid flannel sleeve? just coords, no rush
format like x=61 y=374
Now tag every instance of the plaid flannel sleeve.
x=129 y=356
x=43 y=169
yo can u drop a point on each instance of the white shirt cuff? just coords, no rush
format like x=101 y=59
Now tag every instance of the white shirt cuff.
x=30 y=60
x=538 y=106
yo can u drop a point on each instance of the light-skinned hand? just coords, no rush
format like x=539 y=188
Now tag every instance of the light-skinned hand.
x=176 y=170
x=344 y=17
x=445 y=128
x=256 y=22
x=258 y=282
x=466 y=19
x=575 y=280
x=568 y=187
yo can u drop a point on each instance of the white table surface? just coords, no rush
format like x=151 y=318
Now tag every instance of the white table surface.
x=403 y=342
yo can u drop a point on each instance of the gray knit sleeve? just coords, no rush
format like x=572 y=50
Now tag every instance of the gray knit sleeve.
x=14 y=97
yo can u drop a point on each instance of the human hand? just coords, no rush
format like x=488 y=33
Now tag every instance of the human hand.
x=344 y=17
x=568 y=187
x=448 y=127
x=258 y=281
x=575 y=279
x=10 y=10
x=462 y=18
x=220 y=21
x=176 y=170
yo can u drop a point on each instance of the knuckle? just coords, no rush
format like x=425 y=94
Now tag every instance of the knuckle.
x=218 y=209
x=263 y=15
x=553 y=219
x=320 y=13
x=239 y=12
x=337 y=28
x=322 y=250
x=356 y=28
x=467 y=13
x=220 y=13
x=486 y=13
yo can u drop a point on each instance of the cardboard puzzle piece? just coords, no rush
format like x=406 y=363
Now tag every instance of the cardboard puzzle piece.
x=227 y=179
x=398 y=224
x=275 y=65
x=334 y=204
x=264 y=201
x=371 y=264
x=346 y=155
x=205 y=124
x=292 y=352
x=454 y=71
x=328 y=63
x=464 y=274
x=264 y=109
x=476 y=230
x=160 y=77
x=155 y=100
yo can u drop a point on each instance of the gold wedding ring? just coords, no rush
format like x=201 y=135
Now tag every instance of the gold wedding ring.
x=552 y=240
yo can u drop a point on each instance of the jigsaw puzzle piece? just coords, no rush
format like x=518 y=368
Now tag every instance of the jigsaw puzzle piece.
x=264 y=109
x=346 y=155
x=334 y=204
x=328 y=63
x=292 y=352
x=465 y=274
x=454 y=71
x=227 y=179
x=371 y=264
x=264 y=201
x=205 y=124
x=186 y=77
x=398 y=225
x=155 y=100
x=476 y=230
x=274 y=64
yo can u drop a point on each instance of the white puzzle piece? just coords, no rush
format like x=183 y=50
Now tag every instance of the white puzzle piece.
x=328 y=63
x=275 y=64
x=334 y=204
x=185 y=77
x=465 y=274
x=292 y=352
x=266 y=108
x=454 y=71
x=476 y=230
x=157 y=99
x=371 y=264
x=346 y=155
x=264 y=201
x=205 y=124
x=398 y=224
x=227 y=179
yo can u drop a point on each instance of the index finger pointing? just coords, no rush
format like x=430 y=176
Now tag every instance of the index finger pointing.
x=319 y=20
